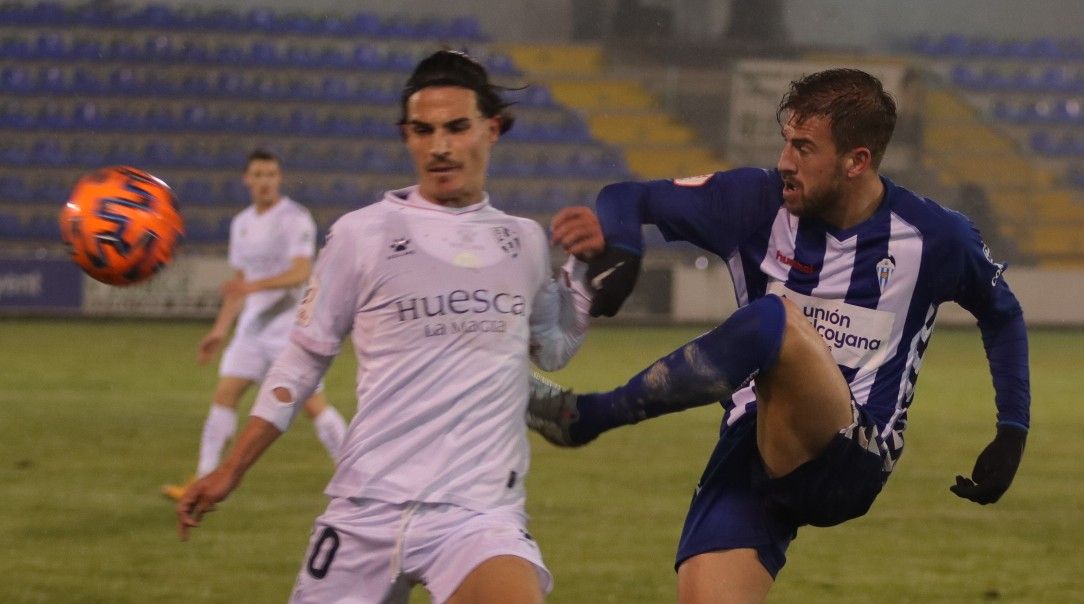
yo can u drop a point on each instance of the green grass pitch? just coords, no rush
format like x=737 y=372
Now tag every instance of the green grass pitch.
x=96 y=415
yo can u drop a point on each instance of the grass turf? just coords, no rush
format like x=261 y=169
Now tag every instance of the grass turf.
x=96 y=415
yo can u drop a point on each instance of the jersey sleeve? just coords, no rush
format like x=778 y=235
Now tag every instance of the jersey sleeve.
x=983 y=291
x=302 y=237
x=232 y=252
x=559 y=312
x=326 y=313
x=712 y=212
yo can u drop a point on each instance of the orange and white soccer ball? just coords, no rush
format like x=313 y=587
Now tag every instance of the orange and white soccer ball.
x=121 y=225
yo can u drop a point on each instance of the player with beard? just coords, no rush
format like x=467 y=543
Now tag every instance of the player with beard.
x=838 y=274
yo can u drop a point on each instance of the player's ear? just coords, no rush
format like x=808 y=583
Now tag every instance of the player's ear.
x=493 y=125
x=857 y=161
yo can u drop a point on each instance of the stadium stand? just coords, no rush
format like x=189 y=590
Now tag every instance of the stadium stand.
x=1008 y=118
x=619 y=109
x=187 y=92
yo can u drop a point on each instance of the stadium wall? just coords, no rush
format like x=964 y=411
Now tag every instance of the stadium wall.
x=189 y=289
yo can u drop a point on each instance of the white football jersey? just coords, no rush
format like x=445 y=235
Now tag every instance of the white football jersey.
x=265 y=245
x=445 y=308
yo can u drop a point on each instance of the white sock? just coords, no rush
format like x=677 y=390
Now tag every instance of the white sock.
x=330 y=429
x=218 y=429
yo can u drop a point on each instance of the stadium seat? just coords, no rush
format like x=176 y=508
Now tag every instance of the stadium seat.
x=13 y=189
x=50 y=192
x=48 y=152
x=49 y=45
x=17 y=80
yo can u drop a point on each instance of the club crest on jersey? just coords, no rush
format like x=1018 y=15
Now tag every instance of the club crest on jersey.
x=507 y=240
x=400 y=247
x=885 y=268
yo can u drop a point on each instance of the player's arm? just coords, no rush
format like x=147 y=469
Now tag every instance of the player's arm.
x=293 y=377
x=227 y=314
x=984 y=292
x=298 y=273
x=712 y=211
x=202 y=496
x=559 y=316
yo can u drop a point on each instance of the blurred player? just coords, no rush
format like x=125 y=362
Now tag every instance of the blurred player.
x=446 y=300
x=272 y=243
x=838 y=274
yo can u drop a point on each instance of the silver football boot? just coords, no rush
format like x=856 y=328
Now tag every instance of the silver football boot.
x=551 y=411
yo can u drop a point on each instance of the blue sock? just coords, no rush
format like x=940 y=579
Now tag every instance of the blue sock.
x=707 y=369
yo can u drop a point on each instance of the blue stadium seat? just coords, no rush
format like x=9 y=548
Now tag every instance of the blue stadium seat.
x=122 y=49
x=154 y=16
x=303 y=121
x=466 y=28
x=124 y=153
x=48 y=152
x=261 y=19
x=196 y=117
x=84 y=49
x=42 y=227
x=160 y=119
x=14 y=155
x=16 y=80
x=12 y=115
x=86 y=153
x=159 y=153
x=50 y=192
x=49 y=45
x=363 y=24
x=230 y=84
x=13 y=189
x=124 y=82
x=193 y=51
x=10 y=225
x=233 y=191
x=52 y=116
x=86 y=83
x=87 y=115
x=221 y=20
x=263 y=52
x=196 y=192
x=15 y=48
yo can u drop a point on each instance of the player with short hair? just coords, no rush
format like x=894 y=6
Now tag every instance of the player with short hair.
x=446 y=300
x=272 y=243
x=839 y=274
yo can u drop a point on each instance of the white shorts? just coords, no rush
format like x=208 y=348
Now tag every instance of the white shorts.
x=368 y=551
x=250 y=357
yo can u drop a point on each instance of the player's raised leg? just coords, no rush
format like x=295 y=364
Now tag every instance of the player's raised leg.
x=803 y=400
x=707 y=369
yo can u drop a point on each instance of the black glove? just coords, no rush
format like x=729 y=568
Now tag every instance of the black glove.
x=612 y=274
x=995 y=467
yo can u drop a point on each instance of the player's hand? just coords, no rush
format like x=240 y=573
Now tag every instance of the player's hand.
x=201 y=497
x=995 y=467
x=577 y=230
x=209 y=347
x=613 y=275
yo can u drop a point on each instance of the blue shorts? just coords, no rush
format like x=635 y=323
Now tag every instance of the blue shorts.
x=736 y=504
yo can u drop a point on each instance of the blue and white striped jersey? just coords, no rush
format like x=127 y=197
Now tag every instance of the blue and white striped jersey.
x=871 y=291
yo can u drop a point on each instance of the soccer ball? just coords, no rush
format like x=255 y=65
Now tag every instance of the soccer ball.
x=121 y=225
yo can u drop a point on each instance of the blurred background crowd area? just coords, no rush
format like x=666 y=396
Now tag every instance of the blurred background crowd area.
x=989 y=95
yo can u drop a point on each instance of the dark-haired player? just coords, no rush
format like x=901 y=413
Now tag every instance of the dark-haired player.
x=446 y=300
x=838 y=274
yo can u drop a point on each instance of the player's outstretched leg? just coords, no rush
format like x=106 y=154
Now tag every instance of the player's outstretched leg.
x=708 y=369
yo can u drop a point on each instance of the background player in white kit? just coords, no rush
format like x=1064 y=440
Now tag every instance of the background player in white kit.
x=445 y=299
x=272 y=243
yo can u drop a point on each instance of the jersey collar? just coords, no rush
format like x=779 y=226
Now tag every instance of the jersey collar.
x=411 y=198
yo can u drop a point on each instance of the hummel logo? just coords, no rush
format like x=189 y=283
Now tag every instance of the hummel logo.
x=599 y=278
